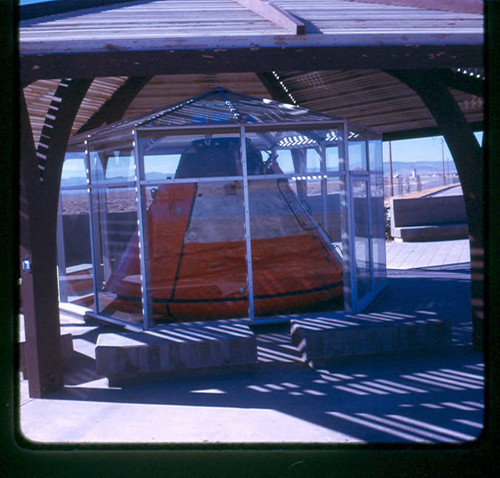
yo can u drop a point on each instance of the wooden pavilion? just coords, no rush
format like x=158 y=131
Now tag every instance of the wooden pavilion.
x=407 y=68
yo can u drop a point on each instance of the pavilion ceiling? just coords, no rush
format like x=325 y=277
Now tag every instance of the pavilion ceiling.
x=369 y=97
x=337 y=60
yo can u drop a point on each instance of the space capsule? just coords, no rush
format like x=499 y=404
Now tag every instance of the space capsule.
x=197 y=248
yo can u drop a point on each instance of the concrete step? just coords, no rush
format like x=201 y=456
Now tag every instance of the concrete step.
x=321 y=338
x=123 y=356
x=431 y=232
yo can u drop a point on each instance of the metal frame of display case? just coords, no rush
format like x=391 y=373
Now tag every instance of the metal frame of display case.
x=344 y=175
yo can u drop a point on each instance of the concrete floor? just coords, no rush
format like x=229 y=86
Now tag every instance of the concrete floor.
x=409 y=398
x=417 y=255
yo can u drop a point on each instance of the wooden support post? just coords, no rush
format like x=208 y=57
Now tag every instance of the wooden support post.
x=38 y=248
x=467 y=155
x=41 y=314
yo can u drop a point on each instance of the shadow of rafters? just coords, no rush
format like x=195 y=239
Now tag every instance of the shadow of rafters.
x=368 y=400
x=417 y=398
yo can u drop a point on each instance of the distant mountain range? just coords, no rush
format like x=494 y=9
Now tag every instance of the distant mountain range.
x=400 y=168
x=421 y=167
x=81 y=181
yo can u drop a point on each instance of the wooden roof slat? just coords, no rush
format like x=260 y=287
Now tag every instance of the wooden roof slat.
x=186 y=44
x=463 y=6
x=162 y=19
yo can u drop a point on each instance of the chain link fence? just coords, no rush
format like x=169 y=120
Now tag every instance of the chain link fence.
x=403 y=185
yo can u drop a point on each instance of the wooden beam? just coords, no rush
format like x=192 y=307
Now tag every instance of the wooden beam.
x=437 y=38
x=467 y=155
x=114 y=109
x=39 y=188
x=275 y=14
x=78 y=64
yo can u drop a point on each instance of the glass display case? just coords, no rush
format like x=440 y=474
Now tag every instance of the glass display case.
x=227 y=206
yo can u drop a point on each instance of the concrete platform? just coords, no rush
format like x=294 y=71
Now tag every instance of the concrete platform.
x=431 y=218
x=129 y=356
x=411 y=399
x=333 y=336
x=432 y=232
x=419 y=255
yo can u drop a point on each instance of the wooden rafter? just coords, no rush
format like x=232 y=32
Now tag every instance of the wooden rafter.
x=467 y=155
x=276 y=15
x=117 y=105
x=272 y=84
x=462 y=82
x=40 y=180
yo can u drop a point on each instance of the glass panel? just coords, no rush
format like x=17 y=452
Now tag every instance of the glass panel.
x=361 y=237
x=197 y=259
x=378 y=228
x=292 y=152
x=120 y=166
x=295 y=266
x=74 y=171
x=112 y=166
x=332 y=158
x=194 y=156
x=74 y=252
x=375 y=153
x=357 y=152
x=117 y=252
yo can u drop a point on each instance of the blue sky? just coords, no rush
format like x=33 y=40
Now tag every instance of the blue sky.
x=408 y=151
x=28 y=2
x=422 y=149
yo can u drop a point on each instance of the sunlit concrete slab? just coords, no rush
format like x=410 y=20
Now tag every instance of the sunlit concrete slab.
x=326 y=337
x=155 y=423
x=423 y=397
x=416 y=255
x=428 y=399
x=128 y=355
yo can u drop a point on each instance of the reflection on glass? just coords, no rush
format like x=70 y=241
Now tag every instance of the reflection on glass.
x=378 y=228
x=112 y=166
x=332 y=158
x=120 y=166
x=361 y=237
x=74 y=252
x=180 y=157
x=295 y=267
x=161 y=166
x=357 y=152
x=74 y=171
x=293 y=152
x=375 y=153
x=116 y=249
x=197 y=251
